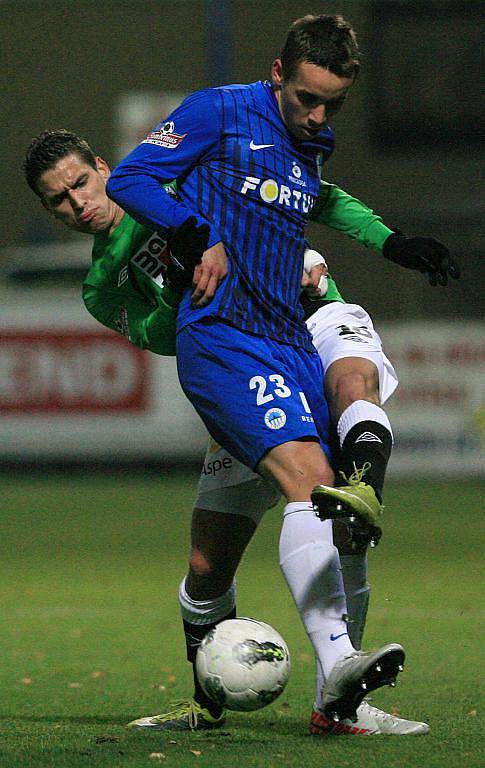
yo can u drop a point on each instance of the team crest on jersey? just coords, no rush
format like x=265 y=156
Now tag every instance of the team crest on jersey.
x=165 y=136
x=275 y=418
x=295 y=175
x=152 y=259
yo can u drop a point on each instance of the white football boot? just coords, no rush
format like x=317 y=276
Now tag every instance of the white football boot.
x=356 y=675
x=370 y=721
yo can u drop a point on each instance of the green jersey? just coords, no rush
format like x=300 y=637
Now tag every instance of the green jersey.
x=124 y=289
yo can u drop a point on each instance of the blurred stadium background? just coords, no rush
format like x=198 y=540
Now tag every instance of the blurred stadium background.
x=407 y=144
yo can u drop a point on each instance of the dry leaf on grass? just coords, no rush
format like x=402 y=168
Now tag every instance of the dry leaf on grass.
x=196 y=752
x=26 y=680
x=157 y=756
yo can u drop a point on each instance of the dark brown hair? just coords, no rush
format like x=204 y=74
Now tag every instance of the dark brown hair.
x=327 y=41
x=48 y=148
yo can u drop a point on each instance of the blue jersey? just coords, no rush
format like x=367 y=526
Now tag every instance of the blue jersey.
x=239 y=169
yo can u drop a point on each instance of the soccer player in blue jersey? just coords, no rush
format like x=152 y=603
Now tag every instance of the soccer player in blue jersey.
x=248 y=160
x=70 y=180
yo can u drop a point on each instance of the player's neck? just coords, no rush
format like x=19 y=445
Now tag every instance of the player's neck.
x=118 y=214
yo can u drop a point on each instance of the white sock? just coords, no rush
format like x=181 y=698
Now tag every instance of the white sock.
x=311 y=567
x=206 y=611
x=357 y=592
x=361 y=410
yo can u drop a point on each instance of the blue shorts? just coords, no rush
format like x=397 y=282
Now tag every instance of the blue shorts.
x=252 y=393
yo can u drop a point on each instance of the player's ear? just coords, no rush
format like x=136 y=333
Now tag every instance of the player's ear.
x=103 y=168
x=277 y=73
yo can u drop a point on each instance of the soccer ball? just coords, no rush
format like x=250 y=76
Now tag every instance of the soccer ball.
x=243 y=664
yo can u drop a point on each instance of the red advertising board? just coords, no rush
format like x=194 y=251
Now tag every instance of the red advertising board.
x=71 y=371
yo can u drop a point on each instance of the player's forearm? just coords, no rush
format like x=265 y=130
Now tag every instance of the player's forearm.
x=139 y=192
x=339 y=210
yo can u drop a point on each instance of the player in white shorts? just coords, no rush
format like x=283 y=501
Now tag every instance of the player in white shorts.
x=231 y=498
x=359 y=380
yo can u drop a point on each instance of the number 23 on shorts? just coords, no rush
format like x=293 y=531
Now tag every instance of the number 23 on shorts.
x=279 y=388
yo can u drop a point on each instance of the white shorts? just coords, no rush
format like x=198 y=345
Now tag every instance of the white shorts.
x=346 y=330
x=339 y=330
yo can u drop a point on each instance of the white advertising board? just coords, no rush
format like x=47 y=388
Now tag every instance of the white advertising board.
x=438 y=410
x=72 y=390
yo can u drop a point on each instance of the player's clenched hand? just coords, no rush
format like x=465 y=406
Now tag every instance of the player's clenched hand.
x=209 y=274
x=425 y=254
x=314 y=281
x=186 y=245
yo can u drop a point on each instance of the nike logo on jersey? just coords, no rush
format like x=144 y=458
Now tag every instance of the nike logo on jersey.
x=336 y=637
x=368 y=437
x=252 y=145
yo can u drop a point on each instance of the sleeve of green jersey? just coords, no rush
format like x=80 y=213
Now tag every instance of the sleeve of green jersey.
x=146 y=326
x=339 y=210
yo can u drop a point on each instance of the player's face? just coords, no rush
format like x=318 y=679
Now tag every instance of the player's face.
x=75 y=194
x=309 y=99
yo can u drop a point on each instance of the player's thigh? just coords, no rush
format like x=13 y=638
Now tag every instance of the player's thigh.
x=346 y=331
x=251 y=392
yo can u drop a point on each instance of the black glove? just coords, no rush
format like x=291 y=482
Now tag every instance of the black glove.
x=425 y=254
x=186 y=245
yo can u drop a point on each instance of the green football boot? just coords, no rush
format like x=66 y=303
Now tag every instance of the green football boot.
x=355 y=503
x=185 y=716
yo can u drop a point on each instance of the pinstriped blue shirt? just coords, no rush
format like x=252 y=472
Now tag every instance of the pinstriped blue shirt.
x=239 y=169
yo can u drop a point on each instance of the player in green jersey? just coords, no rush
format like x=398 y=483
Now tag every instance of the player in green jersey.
x=123 y=291
x=133 y=286
x=129 y=295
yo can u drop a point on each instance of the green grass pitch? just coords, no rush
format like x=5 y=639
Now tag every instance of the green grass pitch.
x=91 y=636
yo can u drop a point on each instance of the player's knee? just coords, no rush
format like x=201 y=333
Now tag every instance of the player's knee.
x=209 y=576
x=300 y=480
x=200 y=565
x=354 y=386
x=297 y=467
